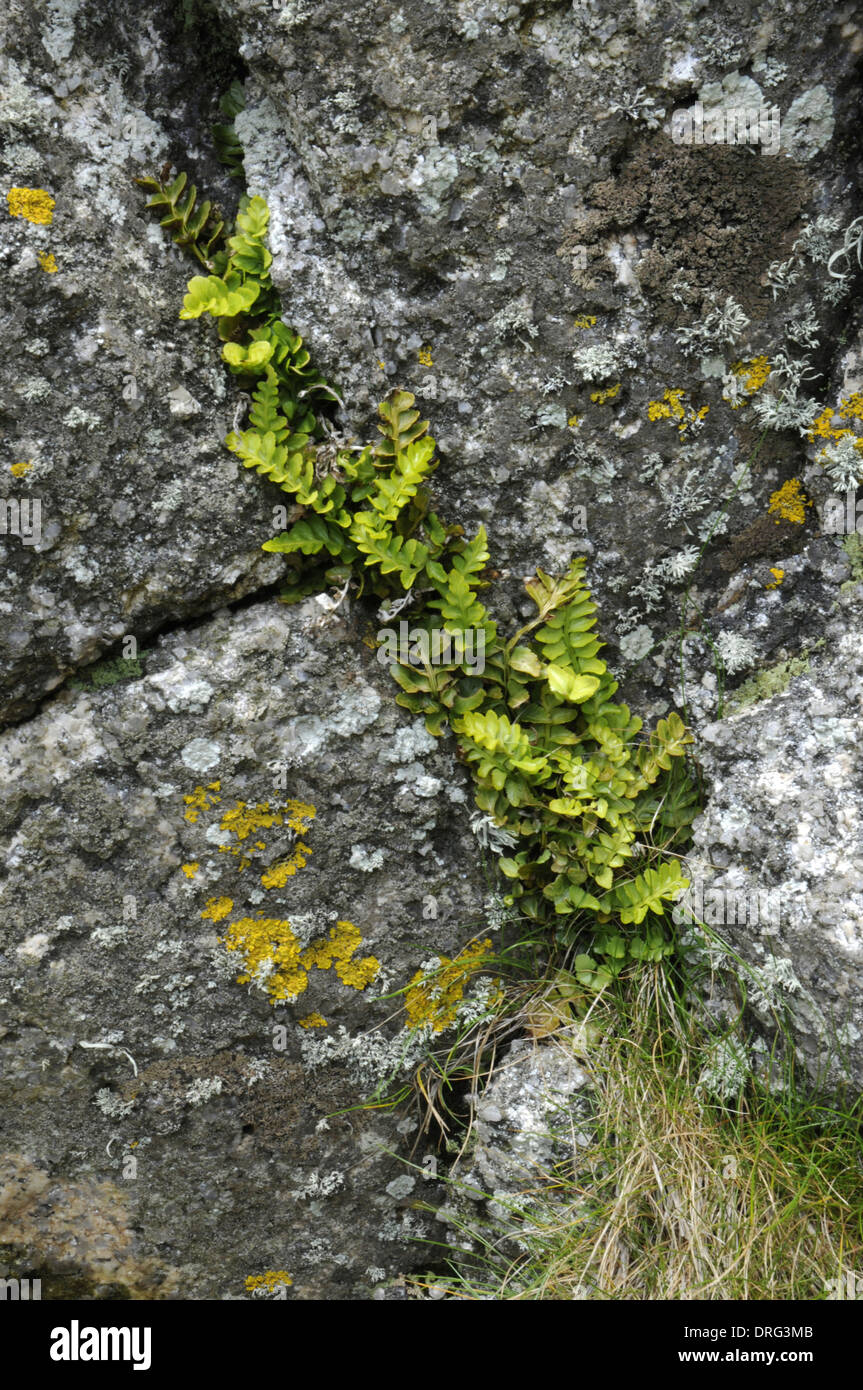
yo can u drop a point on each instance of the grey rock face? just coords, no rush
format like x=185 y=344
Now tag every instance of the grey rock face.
x=117 y=417
x=777 y=863
x=140 y=823
x=482 y=203
x=488 y=200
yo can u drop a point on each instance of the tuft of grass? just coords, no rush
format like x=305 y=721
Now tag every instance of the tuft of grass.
x=678 y=1195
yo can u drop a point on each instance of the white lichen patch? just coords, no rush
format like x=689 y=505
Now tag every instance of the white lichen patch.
x=201 y=754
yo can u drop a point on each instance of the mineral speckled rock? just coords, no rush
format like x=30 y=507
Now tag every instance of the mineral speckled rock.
x=125 y=1033
x=487 y=199
x=481 y=202
x=116 y=413
x=777 y=860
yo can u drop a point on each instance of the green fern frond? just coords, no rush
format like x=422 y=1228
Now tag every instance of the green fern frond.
x=394 y=554
x=557 y=759
x=401 y=424
x=311 y=535
x=225 y=138
x=648 y=892
x=265 y=416
x=412 y=466
x=196 y=228
x=223 y=298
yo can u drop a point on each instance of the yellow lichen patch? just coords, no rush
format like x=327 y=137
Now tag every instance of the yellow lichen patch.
x=270 y=1281
x=778 y=576
x=672 y=407
x=850 y=408
x=753 y=372
x=584 y=321
x=789 y=503
x=668 y=407
x=314 y=1020
x=573 y=422
x=278 y=875
x=33 y=203
x=217 y=909
x=434 y=996
x=338 y=950
x=200 y=801
x=300 y=816
x=190 y=869
x=425 y=357
x=271 y=955
x=244 y=818
x=609 y=394
x=47 y=262
x=18 y=470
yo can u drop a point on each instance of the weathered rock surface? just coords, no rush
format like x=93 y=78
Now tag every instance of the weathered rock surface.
x=777 y=860
x=117 y=416
x=479 y=202
x=141 y=821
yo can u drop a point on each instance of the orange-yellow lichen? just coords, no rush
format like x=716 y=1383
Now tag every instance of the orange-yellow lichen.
x=33 y=203
x=778 y=576
x=272 y=955
x=18 y=470
x=573 y=422
x=270 y=1281
x=850 y=408
x=314 y=1020
x=47 y=262
x=789 y=503
x=585 y=321
x=243 y=818
x=338 y=949
x=434 y=996
x=671 y=407
x=217 y=909
x=278 y=875
x=190 y=869
x=200 y=801
x=425 y=357
x=754 y=371
x=609 y=394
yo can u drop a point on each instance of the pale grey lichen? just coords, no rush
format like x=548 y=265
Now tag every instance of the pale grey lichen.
x=203 y=1089
x=720 y=325
x=317 y=1184
x=635 y=645
x=725 y=1071
x=638 y=106
x=78 y=419
x=599 y=361
x=737 y=651
x=843 y=461
x=786 y=412
x=680 y=564
x=809 y=124
x=112 y=1106
x=805 y=328
x=490 y=835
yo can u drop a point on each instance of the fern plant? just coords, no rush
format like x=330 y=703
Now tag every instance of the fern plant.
x=196 y=228
x=589 y=803
x=225 y=137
